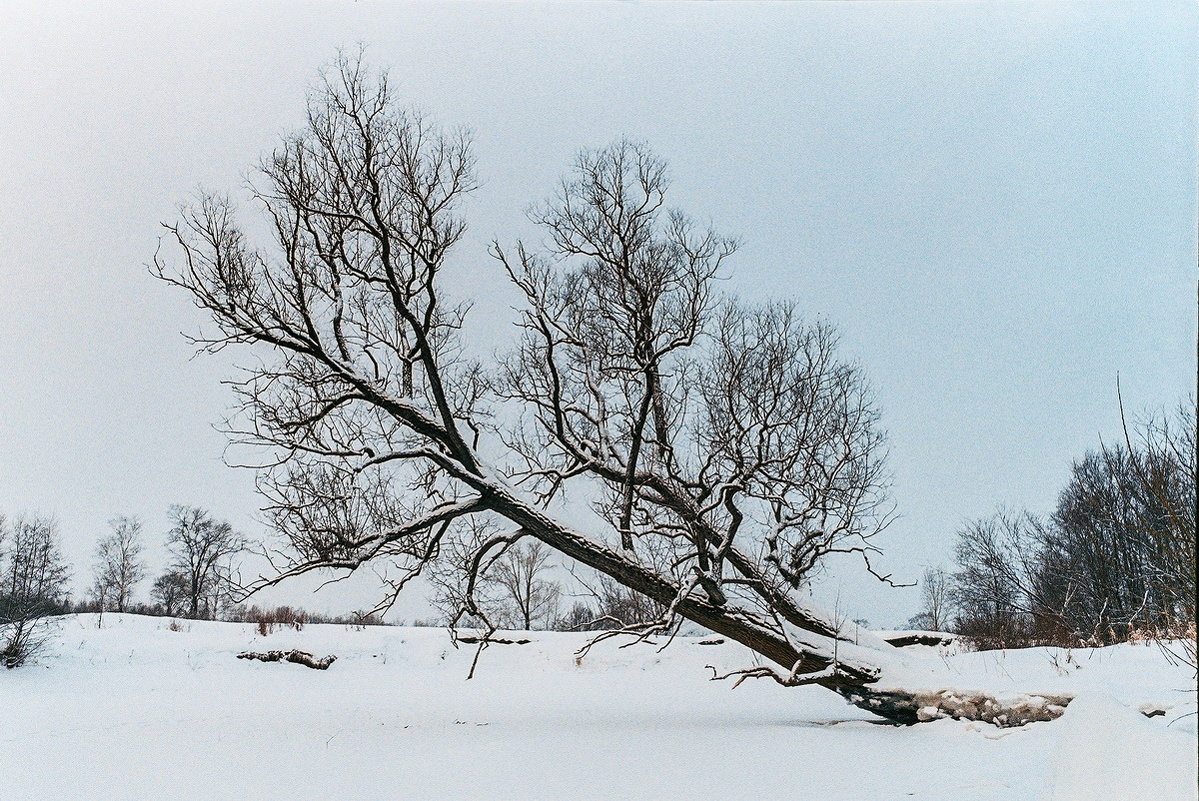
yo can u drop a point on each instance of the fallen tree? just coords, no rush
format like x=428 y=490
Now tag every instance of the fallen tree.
x=471 y=639
x=907 y=639
x=294 y=656
x=724 y=449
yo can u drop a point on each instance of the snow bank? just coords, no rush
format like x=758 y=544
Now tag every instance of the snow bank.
x=1108 y=751
x=1137 y=674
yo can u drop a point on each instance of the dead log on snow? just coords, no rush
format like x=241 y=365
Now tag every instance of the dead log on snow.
x=472 y=640
x=920 y=638
x=299 y=657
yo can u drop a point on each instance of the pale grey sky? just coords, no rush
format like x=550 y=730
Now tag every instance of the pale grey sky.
x=995 y=202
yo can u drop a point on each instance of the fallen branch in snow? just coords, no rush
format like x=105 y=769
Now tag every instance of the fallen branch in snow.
x=770 y=673
x=920 y=638
x=298 y=657
x=472 y=640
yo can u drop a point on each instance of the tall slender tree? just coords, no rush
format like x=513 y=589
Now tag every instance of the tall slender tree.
x=119 y=565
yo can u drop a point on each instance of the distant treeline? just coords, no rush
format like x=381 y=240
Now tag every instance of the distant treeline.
x=1114 y=561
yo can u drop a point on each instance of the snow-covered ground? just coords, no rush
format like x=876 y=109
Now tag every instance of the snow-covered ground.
x=135 y=710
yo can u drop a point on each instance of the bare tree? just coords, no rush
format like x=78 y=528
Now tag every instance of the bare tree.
x=935 y=599
x=203 y=549
x=33 y=581
x=520 y=573
x=1174 y=443
x=170 y=591
x=510 y=590
x=1167 y=472
x=119 y=566
x=730 y=437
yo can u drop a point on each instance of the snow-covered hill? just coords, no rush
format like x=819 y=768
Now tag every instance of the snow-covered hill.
x=136 y=710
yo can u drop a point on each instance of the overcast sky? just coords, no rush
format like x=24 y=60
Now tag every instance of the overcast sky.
x=995 y=202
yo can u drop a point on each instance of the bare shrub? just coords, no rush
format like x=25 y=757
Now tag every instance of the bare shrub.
x=33 y=579
x=22 y=640
x=267 y=619
x=580 y=617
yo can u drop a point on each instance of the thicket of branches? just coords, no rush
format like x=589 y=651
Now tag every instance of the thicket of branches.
x=1115 y=559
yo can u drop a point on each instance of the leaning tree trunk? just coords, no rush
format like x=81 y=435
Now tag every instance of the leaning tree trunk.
x=854 y=675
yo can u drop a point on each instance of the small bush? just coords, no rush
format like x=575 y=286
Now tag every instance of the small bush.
x=268 y=619
x=22 y=640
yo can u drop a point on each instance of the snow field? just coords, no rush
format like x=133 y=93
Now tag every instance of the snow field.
x=134 y=710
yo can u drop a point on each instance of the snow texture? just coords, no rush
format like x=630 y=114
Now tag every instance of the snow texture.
x=135 y=710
